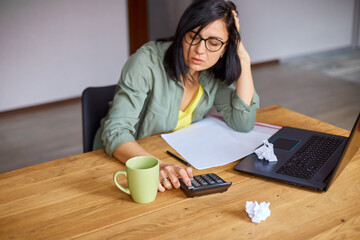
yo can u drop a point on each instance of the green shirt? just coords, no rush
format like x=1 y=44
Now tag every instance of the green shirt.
x=147 y=101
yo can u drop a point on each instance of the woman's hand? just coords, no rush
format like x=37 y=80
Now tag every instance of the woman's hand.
x=170 y=174
x=236 y=20
x=243 y=54
x=245 y=84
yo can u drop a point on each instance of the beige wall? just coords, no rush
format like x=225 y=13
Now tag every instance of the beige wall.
x=274 y=29
x=51 y=50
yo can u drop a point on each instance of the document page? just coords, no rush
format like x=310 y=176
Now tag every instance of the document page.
x=211 y=142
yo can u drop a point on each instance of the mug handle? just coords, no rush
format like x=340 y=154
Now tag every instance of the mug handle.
x=124 y=189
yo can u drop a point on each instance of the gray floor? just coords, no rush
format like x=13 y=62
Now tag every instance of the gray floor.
x=48 y=134
x=314 y=94
x=40 y=136
x=343 y=63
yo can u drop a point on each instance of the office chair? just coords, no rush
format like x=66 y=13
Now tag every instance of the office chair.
x=95 y=106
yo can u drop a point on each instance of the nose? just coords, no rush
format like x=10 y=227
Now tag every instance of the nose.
x=200 y=48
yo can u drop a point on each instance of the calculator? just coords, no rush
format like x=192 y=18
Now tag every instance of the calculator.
x=204 y=184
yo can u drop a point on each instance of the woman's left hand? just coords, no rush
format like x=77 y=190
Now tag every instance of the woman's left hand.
x=245 y=84
x=169 y=176
x=243 y=54
x=236 y=20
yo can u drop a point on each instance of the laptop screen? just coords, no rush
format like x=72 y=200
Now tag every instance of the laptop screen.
x=352 y=146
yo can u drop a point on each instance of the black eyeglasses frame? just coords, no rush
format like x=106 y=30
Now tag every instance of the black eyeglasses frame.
x=205 y=40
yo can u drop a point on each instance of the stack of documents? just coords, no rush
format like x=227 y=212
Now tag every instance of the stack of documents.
x=211 y=142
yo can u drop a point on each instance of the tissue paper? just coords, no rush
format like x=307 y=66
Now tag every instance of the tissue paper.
x=266 y=151
x=257 y=212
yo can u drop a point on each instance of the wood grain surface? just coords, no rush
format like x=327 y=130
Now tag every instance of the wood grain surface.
x=75 y=198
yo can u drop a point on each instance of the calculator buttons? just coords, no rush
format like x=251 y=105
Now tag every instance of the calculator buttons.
x=208 y=179
x=216 y=178
x=204 y=184
x=195 y=183
x=201 y=180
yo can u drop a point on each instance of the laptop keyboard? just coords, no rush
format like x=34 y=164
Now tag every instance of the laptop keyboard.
x=310 y=157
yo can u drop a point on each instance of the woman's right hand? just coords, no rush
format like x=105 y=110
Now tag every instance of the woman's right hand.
x=169 y=176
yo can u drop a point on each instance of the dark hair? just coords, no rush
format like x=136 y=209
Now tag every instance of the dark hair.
x=201 y=13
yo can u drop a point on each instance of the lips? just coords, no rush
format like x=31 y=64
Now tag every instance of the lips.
x=196 y=60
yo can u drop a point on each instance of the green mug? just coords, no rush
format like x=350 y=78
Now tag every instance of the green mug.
x=142 y=174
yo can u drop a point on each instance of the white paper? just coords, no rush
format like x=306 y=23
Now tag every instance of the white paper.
x=266 y=152
x=211 y=142
x=257 y=212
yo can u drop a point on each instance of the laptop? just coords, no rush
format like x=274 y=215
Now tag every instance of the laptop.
x=305 y=158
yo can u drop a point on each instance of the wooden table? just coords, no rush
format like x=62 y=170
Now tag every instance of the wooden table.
x=75 y=198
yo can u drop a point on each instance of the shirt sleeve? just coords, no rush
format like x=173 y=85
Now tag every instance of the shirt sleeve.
x=134 y=85
x=237 y=114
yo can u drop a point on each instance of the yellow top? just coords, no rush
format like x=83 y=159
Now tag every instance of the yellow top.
x=185 y=117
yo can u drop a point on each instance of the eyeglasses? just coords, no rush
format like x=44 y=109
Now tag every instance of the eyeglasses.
x=212 y=44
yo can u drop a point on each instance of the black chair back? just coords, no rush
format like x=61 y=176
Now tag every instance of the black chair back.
x=95 y=106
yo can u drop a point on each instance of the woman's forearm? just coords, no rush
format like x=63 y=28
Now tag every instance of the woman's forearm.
x=129 y=150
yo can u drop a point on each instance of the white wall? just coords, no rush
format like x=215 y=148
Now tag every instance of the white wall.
x=51 y=50
x=273 y=29
x=356 y=26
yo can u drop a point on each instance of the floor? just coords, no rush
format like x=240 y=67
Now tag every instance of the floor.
x=48 y=134
x=39 y=136
x=314 y=94
x=343 y=63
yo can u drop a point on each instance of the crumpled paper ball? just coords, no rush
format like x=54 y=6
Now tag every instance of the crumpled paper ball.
x=257 y=212
x=266 y=151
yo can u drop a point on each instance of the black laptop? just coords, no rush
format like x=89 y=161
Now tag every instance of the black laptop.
x=305 y=158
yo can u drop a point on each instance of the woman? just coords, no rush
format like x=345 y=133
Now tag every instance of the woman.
x=165 y=86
